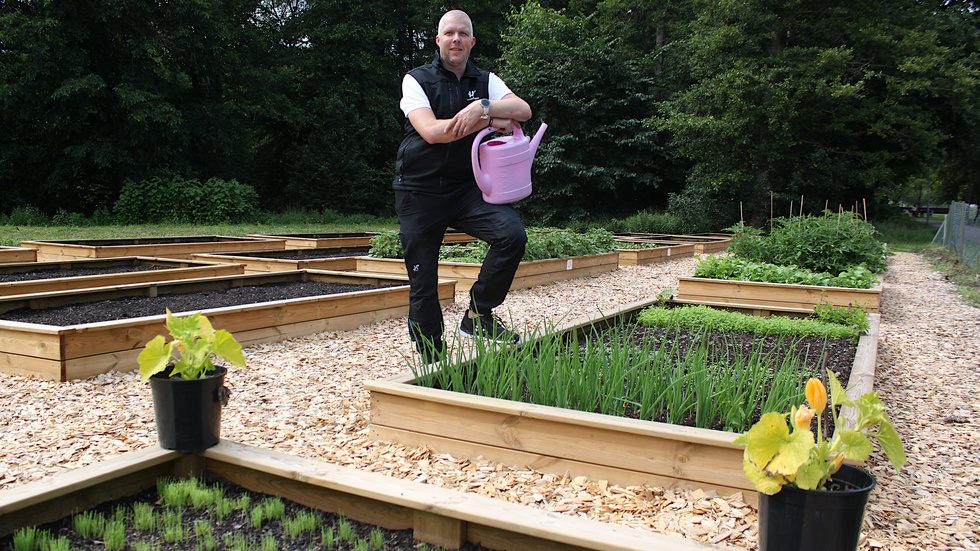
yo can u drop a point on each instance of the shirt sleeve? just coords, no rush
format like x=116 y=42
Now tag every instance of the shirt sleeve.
x=497 y=88
x=413 y=97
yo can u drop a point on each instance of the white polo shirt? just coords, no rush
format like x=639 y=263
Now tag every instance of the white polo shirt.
x=413 y=97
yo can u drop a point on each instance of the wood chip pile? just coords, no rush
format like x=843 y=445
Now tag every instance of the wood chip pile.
x=305 y=397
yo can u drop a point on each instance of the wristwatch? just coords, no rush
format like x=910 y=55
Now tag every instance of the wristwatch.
x=486 y=108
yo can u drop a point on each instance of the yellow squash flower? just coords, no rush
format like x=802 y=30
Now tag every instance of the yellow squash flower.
x=803 y=417
x=816 y=394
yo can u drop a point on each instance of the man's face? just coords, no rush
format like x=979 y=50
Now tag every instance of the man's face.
x=455 y=41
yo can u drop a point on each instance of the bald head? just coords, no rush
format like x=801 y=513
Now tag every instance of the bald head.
x=455 y=16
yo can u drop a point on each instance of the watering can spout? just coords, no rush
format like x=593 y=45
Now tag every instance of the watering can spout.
x=537 y=138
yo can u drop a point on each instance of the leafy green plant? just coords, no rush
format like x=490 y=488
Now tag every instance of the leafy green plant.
x=185 y=201
x=829 y=243
x=144 y=518
x=615 y=373
x=705 y=318
x=27 y=539
x=852 y=315
x=345 y=530
x=542 y=244
x=778 y=452
x=194 y=342
x=114 y=537
x=740 y=269
x=89 y=524
x=377 y=539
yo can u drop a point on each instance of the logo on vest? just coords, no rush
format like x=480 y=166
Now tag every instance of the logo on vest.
x=471 y=95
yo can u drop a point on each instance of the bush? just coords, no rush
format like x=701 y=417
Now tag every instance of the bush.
x=648 y=222
x=185 y=201
x=27 y=216
x=705 y=318
x=830 y=243
x=542 y=244
x=740 y=269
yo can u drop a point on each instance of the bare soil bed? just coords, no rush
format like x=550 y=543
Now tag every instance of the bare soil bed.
x=235 y=526
x=134 y=307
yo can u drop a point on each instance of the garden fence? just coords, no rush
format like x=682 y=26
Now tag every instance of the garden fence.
x=960 y=233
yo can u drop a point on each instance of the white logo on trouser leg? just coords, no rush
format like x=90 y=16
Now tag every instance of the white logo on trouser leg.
x=415 y=268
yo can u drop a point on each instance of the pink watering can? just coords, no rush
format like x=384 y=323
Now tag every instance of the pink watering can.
x=502 y=166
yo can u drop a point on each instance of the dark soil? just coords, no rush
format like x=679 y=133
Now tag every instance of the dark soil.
x=816 y=355
x=134 y=307
x=234 y=525
x=51 y=273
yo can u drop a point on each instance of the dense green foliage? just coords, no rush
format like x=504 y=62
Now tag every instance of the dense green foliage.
x=542 y=244
x=735 y=268
x=708 y=111
x=704 y=318
x=617 y=373
x=185 y=201
x=828 y=243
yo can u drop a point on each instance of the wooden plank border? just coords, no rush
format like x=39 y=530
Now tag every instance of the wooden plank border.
x=167 y=247
x=77 y=351
x=175 y=270
x=748 y=294
x=439 y=516
x=17 y=254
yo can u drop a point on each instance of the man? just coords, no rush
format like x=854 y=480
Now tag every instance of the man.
x=446 y=102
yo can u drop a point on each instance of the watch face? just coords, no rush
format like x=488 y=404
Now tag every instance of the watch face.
x=485 y=103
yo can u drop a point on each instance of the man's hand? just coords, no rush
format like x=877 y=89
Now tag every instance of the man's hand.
x=466 y=121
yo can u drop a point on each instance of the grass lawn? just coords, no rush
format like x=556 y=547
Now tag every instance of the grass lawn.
x=11 y=236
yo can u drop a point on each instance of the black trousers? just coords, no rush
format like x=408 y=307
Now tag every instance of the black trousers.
x=424 y=218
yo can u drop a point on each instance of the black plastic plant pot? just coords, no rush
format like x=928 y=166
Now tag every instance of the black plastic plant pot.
x=188 y=412
x=824 y=520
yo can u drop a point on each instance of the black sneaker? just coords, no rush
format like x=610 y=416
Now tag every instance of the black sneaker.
x=487 y=327
x=431 y=351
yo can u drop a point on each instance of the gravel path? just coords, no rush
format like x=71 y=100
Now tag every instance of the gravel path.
x=305 y=397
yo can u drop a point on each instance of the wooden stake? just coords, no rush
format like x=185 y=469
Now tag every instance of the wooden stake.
x=771 y=211
x=741 y=215
x=865 y=202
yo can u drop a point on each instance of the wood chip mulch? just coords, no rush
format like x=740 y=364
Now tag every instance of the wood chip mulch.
x=305 y=397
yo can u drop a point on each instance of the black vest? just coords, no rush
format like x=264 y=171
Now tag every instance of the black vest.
x=437 y=167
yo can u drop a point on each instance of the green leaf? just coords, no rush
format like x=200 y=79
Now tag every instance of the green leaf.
x=891 y=444
x=838 y=395
x=771 y=445
x=855 y=445
x=809 y=476
x=154 y=358
x=762 y=481
x=228 y=348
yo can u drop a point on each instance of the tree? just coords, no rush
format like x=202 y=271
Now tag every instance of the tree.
x=597 y=158
x=832 y=101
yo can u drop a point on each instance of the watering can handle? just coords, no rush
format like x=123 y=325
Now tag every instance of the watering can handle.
x=474 y=152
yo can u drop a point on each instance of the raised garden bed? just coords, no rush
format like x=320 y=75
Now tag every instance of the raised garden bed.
x=529 y=273
x=353 y=239
x=554 y=440
x=17 y=254
x=654 y=254
x=703 y=243
x=46 y=277
x=65 y=352
x=772 y=296
x=167 y=247
x=436 y=515
x=324 y=258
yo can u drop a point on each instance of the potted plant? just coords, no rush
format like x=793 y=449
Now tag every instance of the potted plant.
x=808 y=497
x=188 y=389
